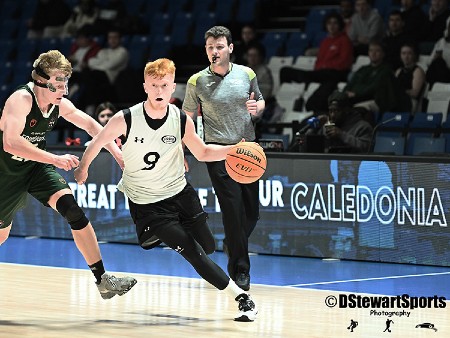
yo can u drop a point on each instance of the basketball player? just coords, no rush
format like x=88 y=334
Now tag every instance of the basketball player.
x=27 y=167
x=163 y=205
x=230 y=102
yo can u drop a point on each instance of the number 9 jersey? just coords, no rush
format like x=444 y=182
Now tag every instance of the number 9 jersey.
x=153 y=155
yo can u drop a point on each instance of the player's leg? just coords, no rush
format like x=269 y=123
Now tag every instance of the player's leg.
x=176 y=237
x=52 y=190
x=194 y=218
x=13 y=197
x=229 y=194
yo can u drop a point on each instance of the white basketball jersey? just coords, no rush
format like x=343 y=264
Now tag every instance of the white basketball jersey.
x=154 y=159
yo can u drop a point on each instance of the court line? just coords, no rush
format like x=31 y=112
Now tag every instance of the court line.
x=370 y=279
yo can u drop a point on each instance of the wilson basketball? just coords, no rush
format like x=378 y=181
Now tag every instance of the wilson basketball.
x=246 y=162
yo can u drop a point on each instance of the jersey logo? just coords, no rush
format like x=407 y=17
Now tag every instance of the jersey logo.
x=137 y=139
x=33 y=122
x=51 y=123
x=210 y=84
x=168 y=139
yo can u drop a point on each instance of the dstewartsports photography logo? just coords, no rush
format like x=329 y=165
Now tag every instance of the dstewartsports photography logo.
x=386 y=305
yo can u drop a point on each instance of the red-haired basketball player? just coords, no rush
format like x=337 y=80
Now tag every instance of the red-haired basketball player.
x=164 y=207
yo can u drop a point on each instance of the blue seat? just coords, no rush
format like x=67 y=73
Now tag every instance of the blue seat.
x=245 y=12
x=273 y=43
x=314 y=19
x=426 y=120
x=176 y=6
x=160 y=23
x=296 y=44
x=6 y=48
x=393 y=124
x=9 y=29
x=427 y=145
x=204 y=21
x=181 y=28
x=46 y=44
x=138 y=48
x=224 y=11
x=202 y=5
x=394 y=145
x=160 y=46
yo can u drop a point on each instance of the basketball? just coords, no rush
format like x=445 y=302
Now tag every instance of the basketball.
x=246 y=162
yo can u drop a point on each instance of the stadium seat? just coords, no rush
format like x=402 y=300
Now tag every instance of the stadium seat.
x=427 y=145
x=392 y=145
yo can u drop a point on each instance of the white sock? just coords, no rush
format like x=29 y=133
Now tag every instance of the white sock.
x=233 y=290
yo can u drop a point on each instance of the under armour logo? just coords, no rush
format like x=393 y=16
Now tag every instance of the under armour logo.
x=137 y=139
x=210 y=84
x=178 y=249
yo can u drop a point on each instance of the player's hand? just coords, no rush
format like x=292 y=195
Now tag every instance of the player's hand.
x=251 y=104
x=80 y=176
x=66 y=162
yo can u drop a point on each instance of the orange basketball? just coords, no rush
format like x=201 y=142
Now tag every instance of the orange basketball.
x=246 y=162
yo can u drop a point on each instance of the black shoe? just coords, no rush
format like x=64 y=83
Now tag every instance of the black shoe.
x=247 y=309
x=243 y=280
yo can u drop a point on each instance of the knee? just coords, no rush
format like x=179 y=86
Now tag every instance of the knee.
x=69 y=209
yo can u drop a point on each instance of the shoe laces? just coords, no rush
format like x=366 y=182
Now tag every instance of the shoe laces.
x=245 y=302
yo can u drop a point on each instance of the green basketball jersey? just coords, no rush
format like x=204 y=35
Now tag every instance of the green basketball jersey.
x=36 y=126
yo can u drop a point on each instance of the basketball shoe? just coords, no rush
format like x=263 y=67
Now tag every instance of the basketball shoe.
x=243 y=280
x=247 y=308
x=111 y=285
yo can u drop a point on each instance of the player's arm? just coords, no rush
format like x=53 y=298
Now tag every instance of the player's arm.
x=201 y=151
x=15 y=112
x=87 y=123
x=115 y=127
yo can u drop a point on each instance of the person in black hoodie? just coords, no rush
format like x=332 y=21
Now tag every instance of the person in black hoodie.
x=344 y=128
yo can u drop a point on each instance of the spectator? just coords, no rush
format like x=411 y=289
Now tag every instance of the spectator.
x=82 y=49
x=103 y=113
x=374 y=86
x=367 y=24
x=346 y=10
x=113 y=14
x=272 y=112
x=344 y=129
x=332 y=66
x=411 y=77
x=414 y=18
x=48 y=19
x=395 y=38
x=103 y=71
x=439 y=68
x=85 y=13
x=248 y=37
x=435 y=24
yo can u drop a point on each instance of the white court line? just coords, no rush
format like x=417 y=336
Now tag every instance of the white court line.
x=370 y=279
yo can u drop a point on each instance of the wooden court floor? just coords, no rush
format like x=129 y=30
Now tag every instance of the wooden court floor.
x=38 y=301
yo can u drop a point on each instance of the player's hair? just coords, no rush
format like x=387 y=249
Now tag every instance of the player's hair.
x=159 y=68
x=219 y=31
x=51 y=62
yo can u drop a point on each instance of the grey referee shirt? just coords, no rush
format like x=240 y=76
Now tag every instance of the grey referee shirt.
x=222 y=100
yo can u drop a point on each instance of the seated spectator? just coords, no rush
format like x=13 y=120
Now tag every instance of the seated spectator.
x=414 y=18
x=48 y=19
x=114 y=14
x=411 y=76
x=439 y=68
x=103 y=71
x=85 y=13
x=346 y=10
x=272 y=113
x=367 y=24
x=332 y=66
x=435 y=25
x=248 y=37
x=344 y=128
x=394 y=39
x=374 y=87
